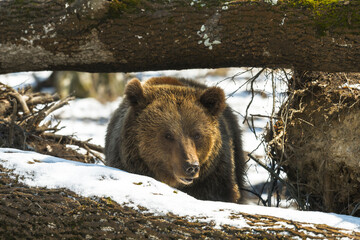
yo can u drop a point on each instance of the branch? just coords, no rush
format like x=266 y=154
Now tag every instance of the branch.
x=24 y=130
x=41 y=99
x=72 y=141
x=12 y=123
x=58 y=105
x=22 y=102
x=291 y=189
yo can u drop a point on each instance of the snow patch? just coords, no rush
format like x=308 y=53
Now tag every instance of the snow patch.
x=38 y=170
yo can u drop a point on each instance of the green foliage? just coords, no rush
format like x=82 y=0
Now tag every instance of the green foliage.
x=330 y=14
x=314 y=4
x=108 y=200
x=117 y=7
x=327 y=14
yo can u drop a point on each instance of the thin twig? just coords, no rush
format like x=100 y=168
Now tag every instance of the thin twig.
x=274 y=174
x=267 y=168
x=73 y=141
x=252 y=93
x=58 y=105
x=232 y=78
x=256 y=194
x=12 y=122
x=264 y=116
x=356 y=208
x=277 y=138
x=94 y=154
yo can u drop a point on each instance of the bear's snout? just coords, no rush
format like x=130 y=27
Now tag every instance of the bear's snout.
x=191 y=169
x=190 y=172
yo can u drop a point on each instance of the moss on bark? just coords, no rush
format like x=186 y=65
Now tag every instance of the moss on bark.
x=330 y=14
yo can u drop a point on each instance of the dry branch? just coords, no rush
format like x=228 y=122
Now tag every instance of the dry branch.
x=58 y=105
x=73 y=141
x=23 y=128
x=12 y=124
x=22 y=102
x=42 y=98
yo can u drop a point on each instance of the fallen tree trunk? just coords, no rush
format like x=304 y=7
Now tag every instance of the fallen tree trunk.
x=139 y=35
x=40 y=213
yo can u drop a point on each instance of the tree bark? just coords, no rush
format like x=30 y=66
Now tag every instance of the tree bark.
x=40 y=213
x=139 y=35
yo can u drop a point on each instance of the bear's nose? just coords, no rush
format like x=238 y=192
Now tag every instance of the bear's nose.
x=191 y=169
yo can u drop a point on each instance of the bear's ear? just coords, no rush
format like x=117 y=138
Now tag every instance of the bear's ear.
x=134 y=92
x=213 y=99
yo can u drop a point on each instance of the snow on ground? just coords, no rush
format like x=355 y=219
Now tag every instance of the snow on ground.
x=86 y=118
x=16 y=80
x=89 y=180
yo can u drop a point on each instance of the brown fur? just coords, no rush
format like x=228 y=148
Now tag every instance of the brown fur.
x=181 y=133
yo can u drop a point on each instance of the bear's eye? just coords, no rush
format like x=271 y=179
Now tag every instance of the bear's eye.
x=169 y=136
x=197 y=136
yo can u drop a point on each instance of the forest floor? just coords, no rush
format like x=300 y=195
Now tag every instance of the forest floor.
x=40 y=213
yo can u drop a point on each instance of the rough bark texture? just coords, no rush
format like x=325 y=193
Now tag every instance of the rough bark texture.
x=38 y=213
x=138 y=35
x=317 y=141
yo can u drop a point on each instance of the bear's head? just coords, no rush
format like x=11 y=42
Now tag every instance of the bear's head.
x=177 y=128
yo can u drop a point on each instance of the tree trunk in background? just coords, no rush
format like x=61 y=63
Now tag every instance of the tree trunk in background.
x=102 y=86
x=139 y=35
x=317 y=141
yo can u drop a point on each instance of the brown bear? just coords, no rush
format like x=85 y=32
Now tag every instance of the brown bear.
x=181 y=133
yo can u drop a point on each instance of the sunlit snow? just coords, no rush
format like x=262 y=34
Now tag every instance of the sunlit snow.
x=94 y=180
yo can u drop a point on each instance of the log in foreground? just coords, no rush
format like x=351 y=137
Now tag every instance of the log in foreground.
x=139 y=35
x=40 y=213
